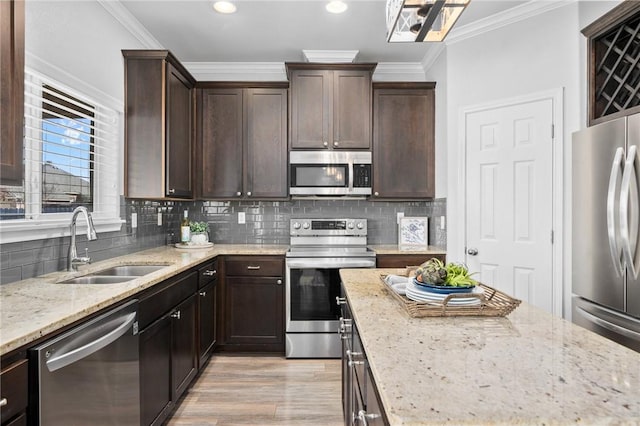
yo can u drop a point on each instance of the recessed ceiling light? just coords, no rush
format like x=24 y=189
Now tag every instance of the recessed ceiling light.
x=336 y=6
x=224 y=7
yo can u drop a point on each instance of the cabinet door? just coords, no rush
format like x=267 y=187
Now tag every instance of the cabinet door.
x=155 y=372
x=220 y=154
x=351 y=110
x=207 y=299
x=266 y=143
x=311 y=93
x=403 y=144
x=13 y=389
x=374 y=413
x=183 y=346
x=179 y=135
x=11 y=91
x=404 y=260
x=254 y=310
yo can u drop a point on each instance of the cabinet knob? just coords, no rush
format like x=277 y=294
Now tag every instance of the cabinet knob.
x=172 y=191
x=203 y=293
x=335 y=143
x=3 y=402
x=376 y=193
x=279 y=282
x=238 y=193
x=176 y=315
x=249 y=194
x=209 y=273
x=325 y=143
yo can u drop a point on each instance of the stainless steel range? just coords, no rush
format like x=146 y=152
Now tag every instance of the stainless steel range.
x=319 y=248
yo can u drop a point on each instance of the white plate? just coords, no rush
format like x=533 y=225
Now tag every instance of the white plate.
x=439 y=298
x=193 y=246
x=424 y=291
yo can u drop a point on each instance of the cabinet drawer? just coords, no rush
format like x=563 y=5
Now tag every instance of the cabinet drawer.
x=159 y=301
x=255 y=266
x=404 y=260
x=13 y=388
x=207 y=273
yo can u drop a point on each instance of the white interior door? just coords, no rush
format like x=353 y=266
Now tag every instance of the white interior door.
x=509 y=195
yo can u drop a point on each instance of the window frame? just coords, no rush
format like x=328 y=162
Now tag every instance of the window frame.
x=106 y=180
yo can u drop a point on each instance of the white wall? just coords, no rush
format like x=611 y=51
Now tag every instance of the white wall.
x=79 y=42
x=438 y=73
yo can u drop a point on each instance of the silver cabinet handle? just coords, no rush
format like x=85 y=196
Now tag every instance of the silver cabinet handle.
x=249 y=194
x=350 y=356
x=279 y=282
x=176 y=315
x=325 y=143
x=209 y=273
x=335 y=143
x=203 y=293
x=364 y=417
x=472 y=252
x=629 y=230
x=612 y=221
x=253 y=268
x=238 y=193
x=3 y=402
x=376 y=193
x=172 y=191
x=341 y=300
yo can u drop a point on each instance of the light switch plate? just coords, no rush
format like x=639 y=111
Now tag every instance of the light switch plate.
x=241 y=218
x=399 y=216
x=134 y=220
x=442 y=222
x=159 y=218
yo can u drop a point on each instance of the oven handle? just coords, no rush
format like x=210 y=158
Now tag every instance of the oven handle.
x=326 y=263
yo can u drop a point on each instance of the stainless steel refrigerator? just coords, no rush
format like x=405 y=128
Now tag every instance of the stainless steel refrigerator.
x=605 y=219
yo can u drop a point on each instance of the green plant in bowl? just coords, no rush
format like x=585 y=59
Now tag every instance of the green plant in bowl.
x=199 y=233
x=198 y=227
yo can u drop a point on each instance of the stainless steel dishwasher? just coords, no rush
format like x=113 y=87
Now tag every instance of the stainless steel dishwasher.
x=90 y=374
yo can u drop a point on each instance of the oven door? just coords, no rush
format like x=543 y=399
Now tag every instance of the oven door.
x=312 y=285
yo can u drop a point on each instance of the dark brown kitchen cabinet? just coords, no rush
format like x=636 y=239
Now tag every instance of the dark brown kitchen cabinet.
x=404 y=260
x=11 y=91
x=403 y=141
x=207 y=311
x=168 y=345
x=14 y=393
x=159 y=126
x=330 y=105
x=242 y=141
x=254 y=304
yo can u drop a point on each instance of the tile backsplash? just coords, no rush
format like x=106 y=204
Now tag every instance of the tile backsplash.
x=266 y=222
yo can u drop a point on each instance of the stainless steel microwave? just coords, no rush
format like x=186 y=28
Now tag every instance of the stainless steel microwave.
x=330 y=173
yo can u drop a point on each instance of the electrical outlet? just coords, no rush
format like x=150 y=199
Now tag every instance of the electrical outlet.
x=241 y=218
x=159 y=218
x=399 y=216
x=134 y=220
x=442 y=222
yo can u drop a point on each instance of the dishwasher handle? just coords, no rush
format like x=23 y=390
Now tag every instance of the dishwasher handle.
x=60 y=361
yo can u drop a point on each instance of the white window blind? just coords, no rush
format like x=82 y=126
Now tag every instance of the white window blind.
x=71 y=154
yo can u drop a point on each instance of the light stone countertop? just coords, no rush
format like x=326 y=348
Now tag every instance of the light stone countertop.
x=393 y=249
x=527 y=368
x=33 y=308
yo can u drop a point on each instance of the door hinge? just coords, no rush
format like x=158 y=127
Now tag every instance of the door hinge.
x=553 y=131
x=552 y=236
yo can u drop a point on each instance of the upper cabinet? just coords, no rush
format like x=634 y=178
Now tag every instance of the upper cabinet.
x=242 y=141
x=403 y=141
x=11 y=91
x=613 y=63
x=330 y=105
x=159 y=109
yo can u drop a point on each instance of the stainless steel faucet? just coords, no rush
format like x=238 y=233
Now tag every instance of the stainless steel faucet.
x=72 y=258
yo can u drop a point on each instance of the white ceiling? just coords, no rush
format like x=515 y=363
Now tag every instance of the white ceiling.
x=277 y=31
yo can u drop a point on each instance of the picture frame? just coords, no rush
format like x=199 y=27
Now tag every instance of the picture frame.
x=413 y=233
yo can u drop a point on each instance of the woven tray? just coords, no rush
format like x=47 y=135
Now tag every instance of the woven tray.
x=493 y=303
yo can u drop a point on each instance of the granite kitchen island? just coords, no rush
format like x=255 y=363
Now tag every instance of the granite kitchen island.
x=527 y=368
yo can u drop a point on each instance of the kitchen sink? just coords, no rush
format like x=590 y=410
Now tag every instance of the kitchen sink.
x=115 y=274
x=129 y=270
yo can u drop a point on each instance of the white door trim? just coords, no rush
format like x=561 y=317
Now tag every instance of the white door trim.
x=557 y=98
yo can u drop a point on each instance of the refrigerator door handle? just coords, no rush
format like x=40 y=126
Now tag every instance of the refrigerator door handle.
x=608 y=325
x=629 y=204
x=612 y=202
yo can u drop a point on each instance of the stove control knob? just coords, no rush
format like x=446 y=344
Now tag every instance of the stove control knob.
x=296 y=225
x=350 y=225
x=360 y=225
x=305 y=225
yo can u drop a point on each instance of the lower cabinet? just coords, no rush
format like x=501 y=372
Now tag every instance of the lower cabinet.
x=14 y=393
x=254 y=304
x=360 y=400
x=207 y=322
x=168 y=346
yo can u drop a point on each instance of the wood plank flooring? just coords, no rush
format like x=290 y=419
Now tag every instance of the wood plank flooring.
x=263 y=390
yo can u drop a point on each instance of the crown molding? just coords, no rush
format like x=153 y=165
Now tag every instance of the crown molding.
x=330 y=55
x=507 y=17
x=399 y=71
x=131 y=24
x=237 y=71
x=432 y=56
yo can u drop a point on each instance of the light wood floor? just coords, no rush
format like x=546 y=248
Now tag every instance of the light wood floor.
x=263 y=390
